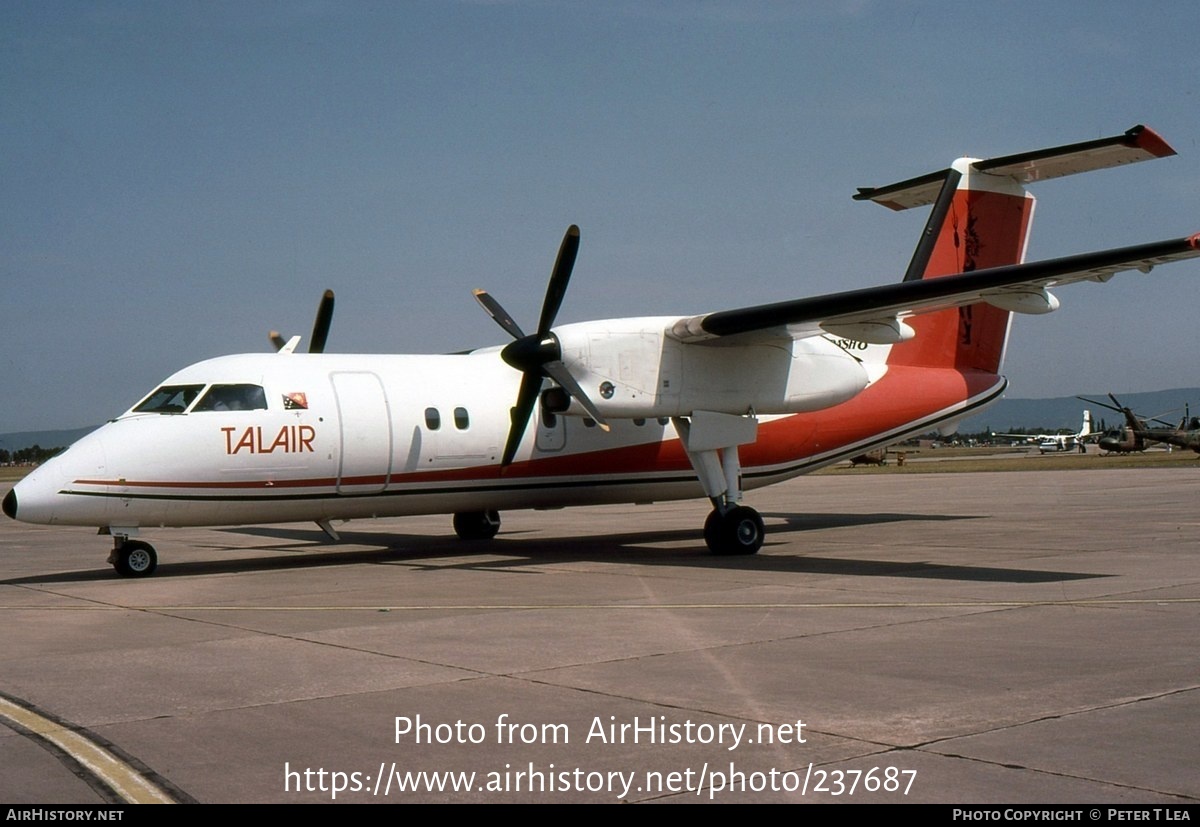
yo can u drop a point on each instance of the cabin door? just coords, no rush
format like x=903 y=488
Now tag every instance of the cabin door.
x=365 y=460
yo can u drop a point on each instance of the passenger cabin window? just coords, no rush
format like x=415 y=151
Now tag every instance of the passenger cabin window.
x=233 y=398
x=433 y=419
x=170 y=399
x=462 y=420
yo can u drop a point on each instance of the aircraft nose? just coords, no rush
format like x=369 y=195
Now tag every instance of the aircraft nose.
x=40 y=497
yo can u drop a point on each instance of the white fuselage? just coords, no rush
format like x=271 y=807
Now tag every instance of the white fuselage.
x=375 y=435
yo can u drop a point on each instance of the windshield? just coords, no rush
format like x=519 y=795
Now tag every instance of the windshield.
x=233 y=398
x=170 y=399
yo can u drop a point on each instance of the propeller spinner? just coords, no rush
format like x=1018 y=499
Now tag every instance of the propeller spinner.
x=320 y=333
x=539 y=355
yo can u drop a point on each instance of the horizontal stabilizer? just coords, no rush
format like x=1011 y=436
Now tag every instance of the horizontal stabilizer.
x=1137 y=144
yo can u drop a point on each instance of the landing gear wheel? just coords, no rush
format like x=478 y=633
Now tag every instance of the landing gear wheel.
x=738 y=531
x=476 y=525
x=135 y=559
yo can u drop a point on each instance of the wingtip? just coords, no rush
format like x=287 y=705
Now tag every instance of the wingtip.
x=1147 y=139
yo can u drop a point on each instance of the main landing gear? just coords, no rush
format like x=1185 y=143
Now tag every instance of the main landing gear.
x=476 y=525
x=711 y=441
x=133 y=558
x=739 y=530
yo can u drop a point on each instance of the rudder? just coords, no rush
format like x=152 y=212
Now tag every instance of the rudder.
x=985 y=224
x=980 y=219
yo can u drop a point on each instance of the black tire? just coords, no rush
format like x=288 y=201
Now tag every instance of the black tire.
x=736 y=532
x=712 y=529
x=136 y=559
x=476 y=525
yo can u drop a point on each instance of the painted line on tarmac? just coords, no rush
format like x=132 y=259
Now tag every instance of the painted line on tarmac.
x=124 y=781
x=441 y=607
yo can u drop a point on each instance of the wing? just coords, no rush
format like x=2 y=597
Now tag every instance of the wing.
x=875 y=314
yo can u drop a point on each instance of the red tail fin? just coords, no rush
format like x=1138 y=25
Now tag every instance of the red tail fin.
x=979 y=228
x=981 y=217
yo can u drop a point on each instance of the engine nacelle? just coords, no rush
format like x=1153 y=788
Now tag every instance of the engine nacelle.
x=631 y=368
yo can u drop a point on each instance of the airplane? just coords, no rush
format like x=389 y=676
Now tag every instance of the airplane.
x=627 y=410
x=1137 y=434
x=1052 y=443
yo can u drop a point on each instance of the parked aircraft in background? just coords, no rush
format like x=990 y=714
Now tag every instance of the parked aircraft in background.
x=625 y=410
x=1120 y=440
x=1051 y=443
x=1137 y=433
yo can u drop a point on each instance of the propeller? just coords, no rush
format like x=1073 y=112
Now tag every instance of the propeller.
x=1119 y=408
x=1116 y=406
x=539 y=355
x=320 y=333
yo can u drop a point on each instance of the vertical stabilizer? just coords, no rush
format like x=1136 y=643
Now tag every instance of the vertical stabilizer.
x=979 y=221
x=980 y=218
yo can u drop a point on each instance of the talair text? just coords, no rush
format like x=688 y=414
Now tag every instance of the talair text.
x=291 y=439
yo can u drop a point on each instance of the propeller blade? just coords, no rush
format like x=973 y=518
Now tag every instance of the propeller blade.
x=539 y=355
x=559 y=278
x=558 y=372
x=1098 y=402
x=531 y=386
x=1158 y=418
x=498 y=313
x=321 y=326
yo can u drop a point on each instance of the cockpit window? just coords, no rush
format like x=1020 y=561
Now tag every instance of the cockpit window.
x=233 y=398
x=170 y=399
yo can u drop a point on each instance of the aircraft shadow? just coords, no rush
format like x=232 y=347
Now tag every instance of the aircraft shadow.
x=640 y=548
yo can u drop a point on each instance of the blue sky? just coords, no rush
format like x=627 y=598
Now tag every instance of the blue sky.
x=178 y=178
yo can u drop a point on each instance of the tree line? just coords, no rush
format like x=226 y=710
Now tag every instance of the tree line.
x=33 y=455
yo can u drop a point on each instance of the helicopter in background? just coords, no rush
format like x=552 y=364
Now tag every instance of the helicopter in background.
x=1137 y=434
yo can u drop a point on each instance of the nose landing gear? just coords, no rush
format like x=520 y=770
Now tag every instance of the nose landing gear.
x=133 y=558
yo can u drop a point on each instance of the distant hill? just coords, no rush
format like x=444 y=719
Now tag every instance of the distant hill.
x=43 y=439
x=1007 y=415
x=1016 y=415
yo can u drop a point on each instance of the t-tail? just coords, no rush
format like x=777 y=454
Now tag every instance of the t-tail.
x=980 y=218
x=1088 y=427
